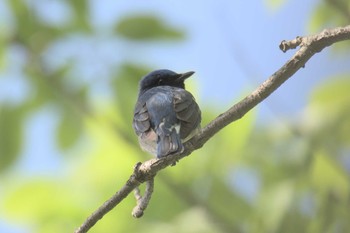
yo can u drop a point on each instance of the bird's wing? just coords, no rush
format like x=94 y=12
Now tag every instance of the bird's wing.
x=164 y=121
x=187 y=111
x=141 y=122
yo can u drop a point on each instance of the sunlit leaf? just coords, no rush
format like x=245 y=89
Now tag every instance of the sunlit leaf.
x=328 y=176
x=48 y=205
x=146 y=27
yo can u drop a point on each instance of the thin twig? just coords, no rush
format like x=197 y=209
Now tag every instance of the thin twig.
x=137 y=194
x=292 y=44
x=142 y=202
x=146 y=171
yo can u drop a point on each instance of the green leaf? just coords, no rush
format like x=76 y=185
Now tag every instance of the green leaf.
x=10 y=135
x=68 y=132
x=146 y=27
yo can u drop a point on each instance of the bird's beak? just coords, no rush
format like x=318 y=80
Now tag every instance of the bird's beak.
x=186 y=75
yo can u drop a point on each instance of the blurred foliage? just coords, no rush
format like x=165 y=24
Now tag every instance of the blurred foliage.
x=295 y=176
x=10 y=135
x=127 y=78
x=330 y=13
x=275 y=4
x=146 y=27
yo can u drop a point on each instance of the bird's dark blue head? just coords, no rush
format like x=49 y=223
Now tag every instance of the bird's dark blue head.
x=163 y=78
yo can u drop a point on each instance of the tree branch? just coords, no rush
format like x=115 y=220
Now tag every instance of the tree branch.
x=146 y=171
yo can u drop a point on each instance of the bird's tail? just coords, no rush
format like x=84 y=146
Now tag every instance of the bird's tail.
x=169 y=142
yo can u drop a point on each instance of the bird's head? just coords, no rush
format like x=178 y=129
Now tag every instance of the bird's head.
x=163 y=78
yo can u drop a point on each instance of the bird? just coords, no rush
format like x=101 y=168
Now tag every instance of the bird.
x=165 y=115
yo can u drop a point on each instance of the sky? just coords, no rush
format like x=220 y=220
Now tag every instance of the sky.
x=232 y=46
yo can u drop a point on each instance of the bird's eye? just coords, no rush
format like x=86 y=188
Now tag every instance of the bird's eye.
x=160 y=81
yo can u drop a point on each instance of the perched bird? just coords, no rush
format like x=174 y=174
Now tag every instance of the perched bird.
x=165 y=115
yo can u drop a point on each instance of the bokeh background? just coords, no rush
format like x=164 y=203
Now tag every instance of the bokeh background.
x=69 y=72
